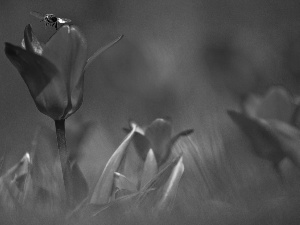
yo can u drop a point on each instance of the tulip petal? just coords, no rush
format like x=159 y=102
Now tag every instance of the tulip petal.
x=277 y=104
x=142 y=145
x=67 y=49
x=251 y=105
x=159 y=134
x=122 y=183
x=36 y=70
x=170 y=188
x=103 y=188
x=150 y=168
x=31 y=42
x=265 y=144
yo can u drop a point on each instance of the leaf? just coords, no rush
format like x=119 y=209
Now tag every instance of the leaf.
x=153 y=190
x=123 y=203
x=174 y=139
x=170 y=188
x=80 y=186
x=12 y=183
x=103 y=189
x=100 y=51
x=48 y=188
x=265 y=144
x=150 y=168
x=21 y=172
x=28 y=189
x=122 y=183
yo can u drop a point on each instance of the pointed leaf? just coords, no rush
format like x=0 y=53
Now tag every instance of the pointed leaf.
x=22 y=172
x=265 y=144
x=153 y=190
x=162 y=176
x=170 y=188
x=80 y=186
x=122 y=183
x=124 y=202
x=101 y=50
x=173 y=140
x=103 y=189
x=28 y=189
x=150 y=168
x=12 y=183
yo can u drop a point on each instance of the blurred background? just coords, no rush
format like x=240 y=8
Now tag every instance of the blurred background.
x=188 y=59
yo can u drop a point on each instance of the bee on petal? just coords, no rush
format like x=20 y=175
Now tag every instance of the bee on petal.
x=50 y=19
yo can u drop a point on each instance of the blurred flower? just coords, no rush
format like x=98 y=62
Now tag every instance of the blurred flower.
x=158 y=172
x=158 y=137
x=54 y=71
x=277 y=104
x=271 y=123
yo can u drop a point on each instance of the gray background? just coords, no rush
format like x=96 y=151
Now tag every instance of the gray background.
x=188 y=59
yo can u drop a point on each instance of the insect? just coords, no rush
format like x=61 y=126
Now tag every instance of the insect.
x=50 y=19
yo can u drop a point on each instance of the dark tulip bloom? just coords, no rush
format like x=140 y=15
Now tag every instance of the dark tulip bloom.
x=54 y=72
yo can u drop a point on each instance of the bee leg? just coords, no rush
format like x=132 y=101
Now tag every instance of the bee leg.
x=56 y=25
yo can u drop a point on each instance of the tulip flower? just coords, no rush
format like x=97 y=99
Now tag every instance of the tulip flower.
x=158 y=137
x=271 y=123
x=54 y=72
x=153 y=145
x=54 y=75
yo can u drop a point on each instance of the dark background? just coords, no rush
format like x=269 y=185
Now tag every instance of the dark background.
x=188 y=59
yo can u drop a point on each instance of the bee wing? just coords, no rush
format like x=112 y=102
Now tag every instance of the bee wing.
x=63 y=20
x=37 y=14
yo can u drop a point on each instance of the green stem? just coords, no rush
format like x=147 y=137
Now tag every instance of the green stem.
x=64 y=159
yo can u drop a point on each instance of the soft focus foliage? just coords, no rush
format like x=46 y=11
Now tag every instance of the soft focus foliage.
x=35 y=184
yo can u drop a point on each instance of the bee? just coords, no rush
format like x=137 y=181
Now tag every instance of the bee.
x=50 y=19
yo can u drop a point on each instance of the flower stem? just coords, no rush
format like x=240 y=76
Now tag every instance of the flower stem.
x=64 y=159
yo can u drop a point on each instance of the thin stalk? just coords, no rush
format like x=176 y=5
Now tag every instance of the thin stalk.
x=64 y=160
